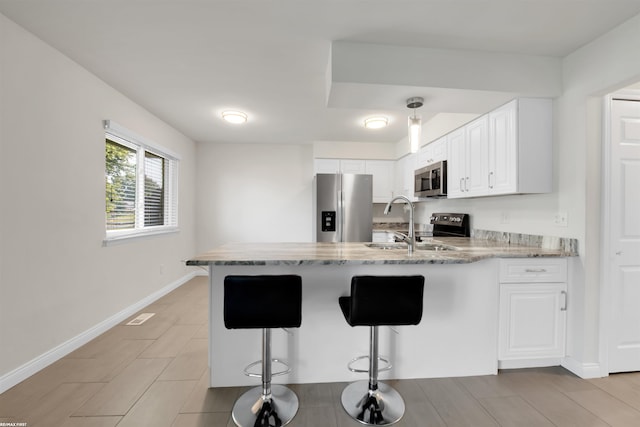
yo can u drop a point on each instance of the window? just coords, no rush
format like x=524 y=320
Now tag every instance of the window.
x=141 y=186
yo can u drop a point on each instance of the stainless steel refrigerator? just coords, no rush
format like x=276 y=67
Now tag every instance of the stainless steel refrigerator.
x=344 y=207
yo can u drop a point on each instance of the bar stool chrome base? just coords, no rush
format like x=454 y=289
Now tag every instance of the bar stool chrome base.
x=284 y=405
x=381 y=407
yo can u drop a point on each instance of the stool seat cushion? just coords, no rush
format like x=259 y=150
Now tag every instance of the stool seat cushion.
x=384 y=300
x=264 y=301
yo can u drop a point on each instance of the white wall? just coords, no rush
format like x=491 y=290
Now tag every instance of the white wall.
x=56 y=278
x=254 y=193
x=605 y=65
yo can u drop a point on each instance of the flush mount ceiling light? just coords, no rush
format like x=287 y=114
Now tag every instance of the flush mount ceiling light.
x=415 y=123
x=376 y=122
x=235 y=117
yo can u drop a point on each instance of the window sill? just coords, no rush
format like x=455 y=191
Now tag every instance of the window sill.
x=118 y=238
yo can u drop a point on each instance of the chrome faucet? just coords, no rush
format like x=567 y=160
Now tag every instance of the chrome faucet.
x=410 y=240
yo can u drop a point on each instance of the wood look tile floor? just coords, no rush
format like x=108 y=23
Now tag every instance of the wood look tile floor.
x=156 y=375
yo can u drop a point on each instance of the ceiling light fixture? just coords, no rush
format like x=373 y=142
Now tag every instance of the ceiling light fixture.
x=376 y=122
x=415 y=123
x=235 y=117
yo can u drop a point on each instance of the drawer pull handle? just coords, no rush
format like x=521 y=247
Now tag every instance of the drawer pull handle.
x=535 y=270
x=564 y=300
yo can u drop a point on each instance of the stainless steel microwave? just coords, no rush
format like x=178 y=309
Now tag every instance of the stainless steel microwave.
x=431 y=181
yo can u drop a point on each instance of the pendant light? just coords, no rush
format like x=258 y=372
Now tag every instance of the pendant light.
x=415 y=123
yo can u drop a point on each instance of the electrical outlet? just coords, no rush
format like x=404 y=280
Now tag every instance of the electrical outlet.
x=560 y=219
x=504 y=218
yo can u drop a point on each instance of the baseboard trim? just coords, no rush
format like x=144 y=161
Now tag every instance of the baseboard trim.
x=35 y=365
x=529 y=363
x=584 y=370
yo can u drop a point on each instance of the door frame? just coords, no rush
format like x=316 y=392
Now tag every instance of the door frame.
x=606 y=308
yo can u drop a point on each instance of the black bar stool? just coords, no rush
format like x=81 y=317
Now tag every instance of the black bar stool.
x=379 y=301
x=264 y=302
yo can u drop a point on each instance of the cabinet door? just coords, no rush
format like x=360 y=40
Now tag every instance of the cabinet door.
x=532 y=320
x=476 y=180
x=439 y=150
x=352 y=166
x=326 y=165
x=409 y=189
x=433 y=152
x=382 y=171
x=425 y=156
x=409 y=176
x=503 y=146
x=456 y=169
x=405 y=169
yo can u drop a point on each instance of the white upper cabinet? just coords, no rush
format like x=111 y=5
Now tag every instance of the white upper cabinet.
x=507 y=151
x=326 y=165
x=477 y=161
x=405 y=176
x=383 y=179
x=433 y=152
x=382 y=171
x=456 y=164
x=534 y=145
x=468 y=164
x=355 y=166
x=503 y=156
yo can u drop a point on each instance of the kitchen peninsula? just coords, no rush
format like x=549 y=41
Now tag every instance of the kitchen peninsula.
x=458 y=335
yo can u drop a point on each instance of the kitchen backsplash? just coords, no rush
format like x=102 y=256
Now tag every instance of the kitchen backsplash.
x=544 y=242
x=566 y=244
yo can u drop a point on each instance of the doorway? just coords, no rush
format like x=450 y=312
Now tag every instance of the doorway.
x=621 y=230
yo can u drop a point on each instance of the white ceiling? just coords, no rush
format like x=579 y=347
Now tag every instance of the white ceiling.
x=186 y=60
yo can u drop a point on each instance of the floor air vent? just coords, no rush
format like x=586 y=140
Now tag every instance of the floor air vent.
x=143 y=317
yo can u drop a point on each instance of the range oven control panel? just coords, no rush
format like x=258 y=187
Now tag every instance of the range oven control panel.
x=450 y=224
x=445 y=219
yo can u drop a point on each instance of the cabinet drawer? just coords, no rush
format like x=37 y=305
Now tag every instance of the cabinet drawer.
x=533 y=270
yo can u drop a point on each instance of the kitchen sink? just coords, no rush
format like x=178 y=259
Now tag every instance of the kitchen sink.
x=421 y=246
x=435 y=247
x=387 y=245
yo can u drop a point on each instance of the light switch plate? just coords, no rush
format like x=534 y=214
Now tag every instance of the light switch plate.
x=560 y=219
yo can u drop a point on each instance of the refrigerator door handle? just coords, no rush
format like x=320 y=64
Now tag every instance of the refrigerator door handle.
x=340 y=216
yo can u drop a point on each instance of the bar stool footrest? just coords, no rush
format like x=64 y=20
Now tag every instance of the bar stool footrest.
x=364 y=371
x=248 y=373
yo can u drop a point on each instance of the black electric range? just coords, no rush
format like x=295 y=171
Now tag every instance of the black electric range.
x=450 y=225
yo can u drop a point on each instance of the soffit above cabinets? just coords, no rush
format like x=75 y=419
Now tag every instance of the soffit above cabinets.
x=458 y=81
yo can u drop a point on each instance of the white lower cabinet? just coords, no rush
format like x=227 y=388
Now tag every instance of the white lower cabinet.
x=533 y=310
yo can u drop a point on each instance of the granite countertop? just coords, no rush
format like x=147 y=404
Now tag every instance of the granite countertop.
x=464 y=250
